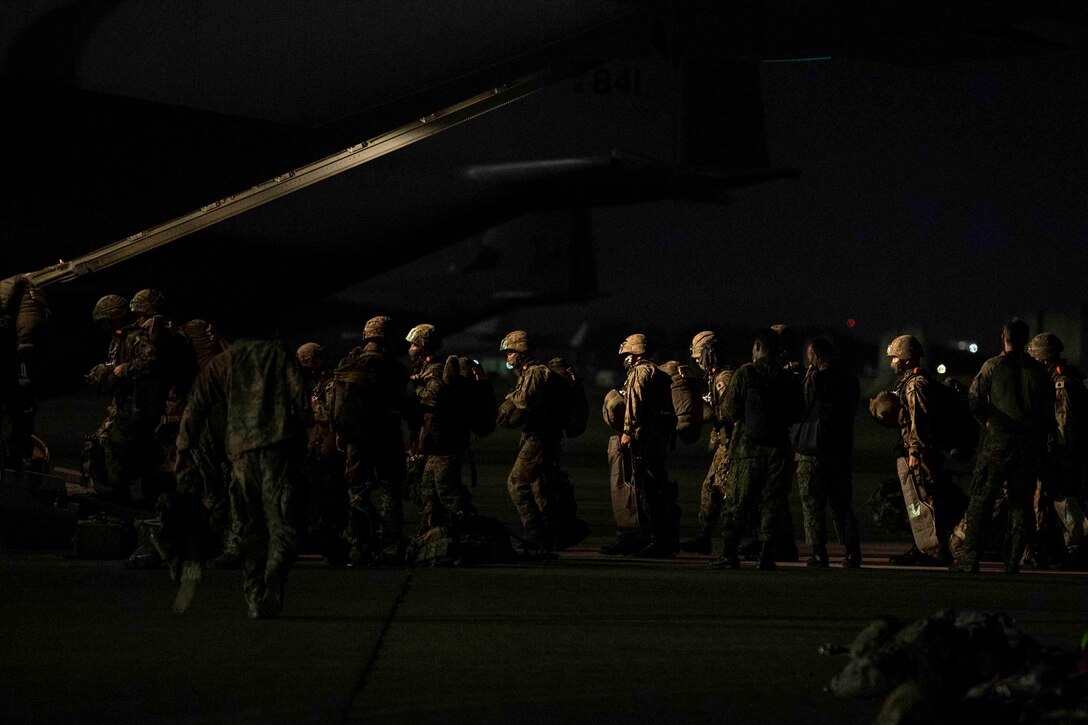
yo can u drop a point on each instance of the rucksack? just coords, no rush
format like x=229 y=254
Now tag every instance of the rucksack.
x=474 y=393
x=955 y=427
x=204 y=341
x=686 y=389
x=768 y=407
x=575 y=405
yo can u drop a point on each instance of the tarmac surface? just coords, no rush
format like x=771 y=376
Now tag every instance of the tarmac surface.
x=587 y=638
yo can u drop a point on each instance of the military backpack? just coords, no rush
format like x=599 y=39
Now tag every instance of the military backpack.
x=687 y=389
x=575 y=404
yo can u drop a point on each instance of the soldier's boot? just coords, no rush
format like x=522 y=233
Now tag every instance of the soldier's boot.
x=765 y=561
x=271 y=604
x=657 y=550
x=786 y=550
x=730 y=558
x=698 y=544
x=969 y=562
x=819 y=557
x=229 y=559
x=623 y=545
x=852 y=560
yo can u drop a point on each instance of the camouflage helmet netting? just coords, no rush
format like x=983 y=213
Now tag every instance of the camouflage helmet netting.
x=376 y=328
x=310 y=355
x=905 y=347
x=425 y=336
x=637 y=344
x=147 y=302
x=110 y=307
x=701 y=340
x=516 y=341
x=1044 y=346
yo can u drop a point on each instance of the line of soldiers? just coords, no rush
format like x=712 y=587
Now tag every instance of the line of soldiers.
x=1029 y=481
x=769 y=420
x=244 y=430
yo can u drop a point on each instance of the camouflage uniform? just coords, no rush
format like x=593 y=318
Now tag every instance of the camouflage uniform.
x=325 y=498
x=23 y=315
x=1012 y=398
x=918 y=436
x=369 y=396
x=266 y=399
x=209 y=477
x=759 y=470
x=715 y=485
x=133 y=452
x=440 y=434
x=535 y=406
x=827 y=478
x=649 y=421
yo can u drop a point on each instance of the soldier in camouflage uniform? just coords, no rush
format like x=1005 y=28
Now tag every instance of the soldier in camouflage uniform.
x=204 y=469
x=130 y=374
x=370 y=394
x=704 y=351
x=649 y=425
x=323 y=498
x=1061 y=485
x=23 y=317
x=921 y=457
x=1012 y=397
x=109 y=315
x=536 y=406
x=439 y=432
x=761 y=402
x=266 y=399
x=825 y=471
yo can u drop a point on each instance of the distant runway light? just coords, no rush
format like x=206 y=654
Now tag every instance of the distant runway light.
x=973 y=347
x=851 y=323
x=962 y=344
x=942 y=369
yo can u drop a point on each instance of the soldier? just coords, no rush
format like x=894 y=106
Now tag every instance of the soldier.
x=921 y=461
x=439 y=433
x=323 y=499
x=1012 y=397
x=208 y=476
x=260 y=387
x=761 y=402
x=536 y=405
x=23 y=317
x=370 y=389
x=704 y=351
x=824 y=453
x=132 y=453
x=649 y=424
x=1062 y=475
x=785 y=547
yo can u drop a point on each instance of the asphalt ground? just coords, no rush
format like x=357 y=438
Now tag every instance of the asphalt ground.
x=586 y=638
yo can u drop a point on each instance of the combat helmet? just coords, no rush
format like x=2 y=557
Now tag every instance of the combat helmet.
x=110 y=307
x=702 y=340
x=637 y=344
x=1044 y=346
x=377 y=328
x=425 y=336
x=516 y=341
x=147 y=302
x=310 y=355
x=905 y=347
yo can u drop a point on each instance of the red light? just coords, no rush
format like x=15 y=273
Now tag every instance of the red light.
x=851 y=323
